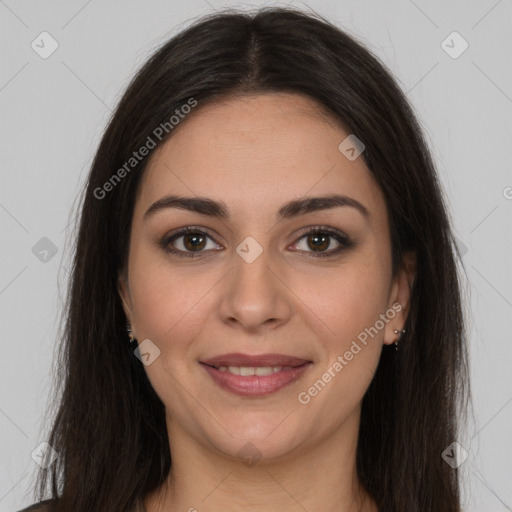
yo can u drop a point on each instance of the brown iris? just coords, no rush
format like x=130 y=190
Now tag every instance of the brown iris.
x=195 y=241
x=315 y=238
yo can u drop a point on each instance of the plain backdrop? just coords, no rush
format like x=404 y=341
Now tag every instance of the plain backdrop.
x=53 y=112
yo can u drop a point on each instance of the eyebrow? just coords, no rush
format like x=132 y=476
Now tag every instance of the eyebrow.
x=218 y=209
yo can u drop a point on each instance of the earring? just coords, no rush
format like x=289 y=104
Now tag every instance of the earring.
x=400 y=334
x=128 y=328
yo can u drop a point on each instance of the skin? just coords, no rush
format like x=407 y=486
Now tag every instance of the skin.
x=255 y=154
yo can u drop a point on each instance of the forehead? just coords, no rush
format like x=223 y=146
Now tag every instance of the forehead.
x=255 y=153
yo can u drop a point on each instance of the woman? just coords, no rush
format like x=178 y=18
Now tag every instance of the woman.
x=264 y=311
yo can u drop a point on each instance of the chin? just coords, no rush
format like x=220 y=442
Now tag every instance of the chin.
x=257 y=437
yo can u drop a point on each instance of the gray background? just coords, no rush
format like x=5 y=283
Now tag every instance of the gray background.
x=53 y=112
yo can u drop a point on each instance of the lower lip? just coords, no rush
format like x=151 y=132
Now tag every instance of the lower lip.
x=255 y=385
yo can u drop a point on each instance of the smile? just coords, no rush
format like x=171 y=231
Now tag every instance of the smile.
x=247 y=375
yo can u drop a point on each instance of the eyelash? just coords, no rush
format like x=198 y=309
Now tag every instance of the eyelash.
x=338 y=236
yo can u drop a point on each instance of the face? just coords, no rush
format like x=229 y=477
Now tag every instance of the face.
x=259 y=280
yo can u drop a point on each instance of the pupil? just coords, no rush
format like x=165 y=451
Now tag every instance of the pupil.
x=196 y=243
x=316 y=238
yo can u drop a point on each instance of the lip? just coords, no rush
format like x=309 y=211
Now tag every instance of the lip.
x=255 y=385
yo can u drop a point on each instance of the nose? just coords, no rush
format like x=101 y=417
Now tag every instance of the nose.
x=255 y=296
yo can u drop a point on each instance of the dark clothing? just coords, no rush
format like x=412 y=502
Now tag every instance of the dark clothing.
x=46 y=506
x=42 y=506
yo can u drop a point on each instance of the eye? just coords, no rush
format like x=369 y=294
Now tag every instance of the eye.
x=191 y=242
x=194 y=241
x=320 y=238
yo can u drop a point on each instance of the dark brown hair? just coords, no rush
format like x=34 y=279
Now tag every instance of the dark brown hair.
x=109 y=428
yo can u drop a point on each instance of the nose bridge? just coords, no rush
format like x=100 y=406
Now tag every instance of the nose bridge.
x=254 y=293
x=252 y=275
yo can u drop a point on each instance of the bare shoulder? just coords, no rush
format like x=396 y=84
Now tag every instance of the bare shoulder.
x=42 y=506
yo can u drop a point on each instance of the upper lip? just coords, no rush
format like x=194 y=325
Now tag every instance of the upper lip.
x=238 y=359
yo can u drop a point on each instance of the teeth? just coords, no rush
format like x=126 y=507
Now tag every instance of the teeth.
x=263 y=370
x=246 y=371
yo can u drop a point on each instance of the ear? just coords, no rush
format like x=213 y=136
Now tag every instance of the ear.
x=400 y=295
x=124 y=292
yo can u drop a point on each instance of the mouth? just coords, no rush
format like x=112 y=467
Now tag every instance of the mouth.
x=247 y=375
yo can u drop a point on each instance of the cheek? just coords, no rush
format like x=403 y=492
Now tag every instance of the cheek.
x=350 y=299
x=167 y=302
x=169 y=311
x=353 y=343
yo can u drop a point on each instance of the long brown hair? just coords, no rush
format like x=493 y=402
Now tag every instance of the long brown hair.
x=109 y=428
